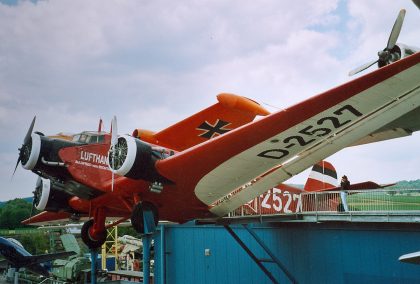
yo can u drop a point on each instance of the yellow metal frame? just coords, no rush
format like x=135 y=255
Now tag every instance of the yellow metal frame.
x=111 y=242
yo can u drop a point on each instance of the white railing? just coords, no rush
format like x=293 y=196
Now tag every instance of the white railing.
x=377 y=200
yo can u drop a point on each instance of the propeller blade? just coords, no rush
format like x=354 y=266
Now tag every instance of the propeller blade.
x=417 y=3
x=396 y=29
x=38 y=186
x=32 y=210
x=114 y=142
x=17 y=164
x=29 y=133
x=114 y=135
x=361 y=68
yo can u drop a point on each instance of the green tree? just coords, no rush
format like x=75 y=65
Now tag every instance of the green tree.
x=35 y=243
x=13 y=213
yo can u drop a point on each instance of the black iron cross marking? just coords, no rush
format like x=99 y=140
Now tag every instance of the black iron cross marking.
x=211 y=130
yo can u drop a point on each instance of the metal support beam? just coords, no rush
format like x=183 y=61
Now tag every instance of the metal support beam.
x=149 y=229
x=162 y=254
x=146 y=258
x=268 y=251
x=93 y=265
x=251 y=254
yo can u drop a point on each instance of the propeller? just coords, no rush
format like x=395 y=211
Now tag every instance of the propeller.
x=388 y=55
x=26 y=146
x=114 y=142
x=37 y=194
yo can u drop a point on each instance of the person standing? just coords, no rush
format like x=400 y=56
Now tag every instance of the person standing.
x=345 y=186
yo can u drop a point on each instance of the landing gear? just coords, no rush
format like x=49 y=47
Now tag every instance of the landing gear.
x=92 y=241
x=137 y=216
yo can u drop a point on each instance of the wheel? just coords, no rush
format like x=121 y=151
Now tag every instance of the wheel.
x=137 y=220
x=88 y=240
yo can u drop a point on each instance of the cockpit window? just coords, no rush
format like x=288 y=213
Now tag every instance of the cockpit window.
x=89 y=138
x=83 y=138
x=96 y=139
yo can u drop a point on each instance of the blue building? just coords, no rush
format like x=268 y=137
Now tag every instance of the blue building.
x=312 y=252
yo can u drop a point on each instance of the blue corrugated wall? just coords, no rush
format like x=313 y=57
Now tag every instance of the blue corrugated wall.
x=313 y=253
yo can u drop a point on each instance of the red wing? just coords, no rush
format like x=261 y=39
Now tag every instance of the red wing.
x=48 y=218
x=367 y=185
x=229 y=113
x=285 y=143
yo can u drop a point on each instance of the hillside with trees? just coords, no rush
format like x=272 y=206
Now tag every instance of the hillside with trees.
x=412 y=184
x=13 y=212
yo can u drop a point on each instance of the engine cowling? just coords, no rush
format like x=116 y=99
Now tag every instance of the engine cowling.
x=135 y=159
x=50 y=196
x=398 y=52
x=40 y=153
x=31 y=151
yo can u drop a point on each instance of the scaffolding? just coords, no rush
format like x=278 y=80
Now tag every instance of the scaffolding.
x=110 y=247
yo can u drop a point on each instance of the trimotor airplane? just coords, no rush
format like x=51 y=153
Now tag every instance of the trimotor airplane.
x=17 y=257
x=201 y=167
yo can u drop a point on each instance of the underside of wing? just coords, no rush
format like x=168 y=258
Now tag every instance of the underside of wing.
x=269 y=151
x=402 y=126
x=49 y=218
x=229 y=113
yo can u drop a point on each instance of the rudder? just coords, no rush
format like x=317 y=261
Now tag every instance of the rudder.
x=322 y=176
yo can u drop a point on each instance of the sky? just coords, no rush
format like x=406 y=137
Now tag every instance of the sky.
x=153 y=63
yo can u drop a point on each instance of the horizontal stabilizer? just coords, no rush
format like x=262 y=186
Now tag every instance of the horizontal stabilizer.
x=366 y=185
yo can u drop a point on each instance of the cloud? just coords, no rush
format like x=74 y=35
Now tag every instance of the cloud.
x=154 y=63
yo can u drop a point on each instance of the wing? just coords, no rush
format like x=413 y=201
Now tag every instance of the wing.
x=48 y=218
x=41 y=258
x=285 y=143
x=229 y=113
x=403 y=126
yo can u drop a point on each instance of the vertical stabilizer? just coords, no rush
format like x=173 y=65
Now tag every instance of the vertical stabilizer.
x=322 y=176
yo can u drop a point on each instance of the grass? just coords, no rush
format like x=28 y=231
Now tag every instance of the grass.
x=381 y=201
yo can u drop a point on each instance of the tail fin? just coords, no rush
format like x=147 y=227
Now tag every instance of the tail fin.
x=322 y=176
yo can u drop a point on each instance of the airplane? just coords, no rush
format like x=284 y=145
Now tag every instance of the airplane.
x=288 y=199
x=17 y=257
x=200 y=167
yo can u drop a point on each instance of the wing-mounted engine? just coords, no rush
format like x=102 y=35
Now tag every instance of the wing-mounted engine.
x=133 y=158
x=393 y=51
x=397 y=52
x=50 y=196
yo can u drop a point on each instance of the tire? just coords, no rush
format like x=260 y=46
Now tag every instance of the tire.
x=90 y=242
x=137 y=216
